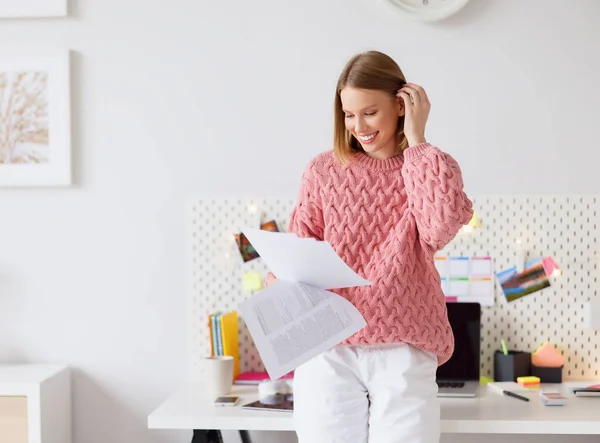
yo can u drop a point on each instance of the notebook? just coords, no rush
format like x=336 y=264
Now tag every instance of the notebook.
x=254 y=378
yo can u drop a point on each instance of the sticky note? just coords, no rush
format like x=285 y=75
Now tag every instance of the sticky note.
x=458 y=287
x=474 y=222
x=252 y=281
x=529 y=381
x=481 y=267
x=483 y=380
x=459 y=266
x=441 y=264
x=547 y=356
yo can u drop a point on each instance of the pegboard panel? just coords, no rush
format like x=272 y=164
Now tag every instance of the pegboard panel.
x=562 y=227
x=217 y=269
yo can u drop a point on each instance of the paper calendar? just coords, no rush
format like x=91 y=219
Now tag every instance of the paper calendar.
x=467 y=279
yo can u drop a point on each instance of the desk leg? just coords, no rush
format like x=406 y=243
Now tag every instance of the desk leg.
x=204 y=436
x=214 y=436
x=245 y=435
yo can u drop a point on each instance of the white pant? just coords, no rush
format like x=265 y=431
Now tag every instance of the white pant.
x=359 y=394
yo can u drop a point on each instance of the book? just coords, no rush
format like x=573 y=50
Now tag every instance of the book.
x=214 y=334
x=230 y=340
x=218 y=334
x=590 y=391
x=254 y=378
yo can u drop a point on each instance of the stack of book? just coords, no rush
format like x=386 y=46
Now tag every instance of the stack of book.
x=223 y=328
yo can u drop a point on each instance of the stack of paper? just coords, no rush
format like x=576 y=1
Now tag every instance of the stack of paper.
x=296 y=318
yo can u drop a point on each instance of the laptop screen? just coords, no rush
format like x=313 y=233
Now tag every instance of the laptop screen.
x=465 y=319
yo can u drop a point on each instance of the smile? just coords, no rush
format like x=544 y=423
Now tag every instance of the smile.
x=368 y=138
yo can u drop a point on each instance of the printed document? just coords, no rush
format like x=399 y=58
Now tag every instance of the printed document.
x=296 y=318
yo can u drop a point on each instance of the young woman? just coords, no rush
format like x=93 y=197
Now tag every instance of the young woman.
x=386 y=200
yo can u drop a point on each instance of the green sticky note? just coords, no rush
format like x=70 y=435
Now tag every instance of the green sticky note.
x=252 y=281
x=483 y=380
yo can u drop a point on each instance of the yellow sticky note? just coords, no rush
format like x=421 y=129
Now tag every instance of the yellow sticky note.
x=474 y=223
x=252 y=281
x=483 y=380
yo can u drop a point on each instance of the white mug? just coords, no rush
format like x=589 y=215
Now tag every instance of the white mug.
x=270 y=388
x=218 y=375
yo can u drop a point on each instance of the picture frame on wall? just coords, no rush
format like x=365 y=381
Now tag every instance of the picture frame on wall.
x=35 y=120
x=33 y=8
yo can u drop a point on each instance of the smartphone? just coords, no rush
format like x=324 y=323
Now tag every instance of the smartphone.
x=226 y=401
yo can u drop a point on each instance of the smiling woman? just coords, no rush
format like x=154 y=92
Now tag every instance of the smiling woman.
x=386 y=200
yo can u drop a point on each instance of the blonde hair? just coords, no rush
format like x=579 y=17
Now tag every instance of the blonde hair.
x=368 y=70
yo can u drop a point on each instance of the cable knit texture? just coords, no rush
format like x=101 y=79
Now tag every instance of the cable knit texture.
x=386 y=219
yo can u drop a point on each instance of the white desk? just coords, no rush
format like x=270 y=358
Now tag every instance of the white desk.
x=489 y=413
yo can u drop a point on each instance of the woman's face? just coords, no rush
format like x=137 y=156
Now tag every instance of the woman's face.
x=371 y=116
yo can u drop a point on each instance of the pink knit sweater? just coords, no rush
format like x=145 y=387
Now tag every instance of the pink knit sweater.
x=386 y=219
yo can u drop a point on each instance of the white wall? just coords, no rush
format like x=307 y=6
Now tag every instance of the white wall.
x=234 y=98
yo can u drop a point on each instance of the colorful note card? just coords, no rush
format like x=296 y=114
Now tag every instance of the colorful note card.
x=467 y=279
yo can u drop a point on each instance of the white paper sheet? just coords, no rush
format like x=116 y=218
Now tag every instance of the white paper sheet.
x=303 y=260
x=291 y=323
x=296 y=319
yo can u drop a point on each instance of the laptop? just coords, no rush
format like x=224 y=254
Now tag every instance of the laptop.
x=459 y=376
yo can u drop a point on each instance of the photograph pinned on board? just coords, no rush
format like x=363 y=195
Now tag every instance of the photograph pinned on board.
x=519 y=284
x=246 y=249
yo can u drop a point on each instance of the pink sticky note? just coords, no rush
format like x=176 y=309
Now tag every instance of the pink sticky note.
x=548 y=357
x=549 y=265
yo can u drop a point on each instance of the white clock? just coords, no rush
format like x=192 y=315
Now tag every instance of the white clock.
x=429 y=10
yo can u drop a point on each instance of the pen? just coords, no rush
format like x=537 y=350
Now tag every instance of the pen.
x=504 y=350
x=512 y=394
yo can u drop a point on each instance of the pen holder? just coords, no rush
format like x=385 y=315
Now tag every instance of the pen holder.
x=547 y=375
x=509 y=367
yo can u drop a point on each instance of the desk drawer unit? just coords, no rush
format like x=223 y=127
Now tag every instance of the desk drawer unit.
x=35 y=403
x=13 y=419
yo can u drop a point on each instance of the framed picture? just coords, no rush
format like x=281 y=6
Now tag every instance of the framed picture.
x=33 y=8
x=35 y=120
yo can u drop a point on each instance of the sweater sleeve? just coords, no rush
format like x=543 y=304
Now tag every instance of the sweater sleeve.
x=434 y=187
x=307 y=216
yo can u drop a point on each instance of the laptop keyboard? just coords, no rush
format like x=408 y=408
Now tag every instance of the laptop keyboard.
x=451 y=384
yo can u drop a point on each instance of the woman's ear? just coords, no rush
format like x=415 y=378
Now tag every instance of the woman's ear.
x=400 y=106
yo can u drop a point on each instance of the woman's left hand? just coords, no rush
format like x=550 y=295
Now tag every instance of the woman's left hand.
x=416 y=112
